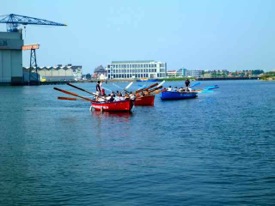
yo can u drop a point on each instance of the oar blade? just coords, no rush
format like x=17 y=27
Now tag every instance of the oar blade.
x=161 y=83
x=67 y=98
x=196 y=84
x=128 y=86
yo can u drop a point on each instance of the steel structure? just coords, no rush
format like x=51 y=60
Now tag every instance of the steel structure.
x=14 y=20
x=33 y=62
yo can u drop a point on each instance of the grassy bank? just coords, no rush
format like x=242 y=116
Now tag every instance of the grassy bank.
x=268 y=76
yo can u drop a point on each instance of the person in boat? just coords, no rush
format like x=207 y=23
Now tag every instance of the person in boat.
x=127 y=96
x=132 y=96
x=98 y=87
x=100 y=98
x=113 y=93
x=119 y=97
x=187 y=84
x=145 y=93
x=169 y=89
x=118 y=93
x=140 y=94
x=103 y=92
x=110 y=98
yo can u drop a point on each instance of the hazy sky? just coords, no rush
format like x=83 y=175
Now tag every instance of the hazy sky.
x=195 y=34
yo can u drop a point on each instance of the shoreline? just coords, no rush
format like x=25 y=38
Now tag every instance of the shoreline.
x=34 y=83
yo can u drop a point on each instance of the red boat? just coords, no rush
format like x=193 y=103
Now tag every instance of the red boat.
x=148 y=100
x=116 y=106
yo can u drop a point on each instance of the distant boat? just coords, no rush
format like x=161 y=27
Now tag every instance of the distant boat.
x=212 y=87
x=147 y=80
x=175 y=95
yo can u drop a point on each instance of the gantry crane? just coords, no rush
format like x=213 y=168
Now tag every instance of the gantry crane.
x=33 y=62
x=13 y=21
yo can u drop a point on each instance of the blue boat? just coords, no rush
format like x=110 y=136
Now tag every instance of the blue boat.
x=174 y=95
x=147 y=80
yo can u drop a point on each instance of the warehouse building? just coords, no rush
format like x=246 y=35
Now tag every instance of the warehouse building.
x=57 y=73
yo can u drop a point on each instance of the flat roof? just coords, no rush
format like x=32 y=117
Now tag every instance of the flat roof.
x=133 y=61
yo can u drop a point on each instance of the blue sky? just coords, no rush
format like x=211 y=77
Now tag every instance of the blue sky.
x=195 y=34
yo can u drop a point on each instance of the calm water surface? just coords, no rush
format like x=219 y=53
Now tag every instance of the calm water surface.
x=218 y=149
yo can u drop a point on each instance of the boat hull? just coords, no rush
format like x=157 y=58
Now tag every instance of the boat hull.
x=172 y=95
x=147 y=80
x=145 y=100
x=117 y=106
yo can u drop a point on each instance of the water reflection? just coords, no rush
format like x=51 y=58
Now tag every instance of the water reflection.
x=120 y=116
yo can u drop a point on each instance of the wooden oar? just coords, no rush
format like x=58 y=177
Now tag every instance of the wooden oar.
x=71 y=99
x=146 y=88
x=67 y=98
x=97 y=95
x=80 y=89
x=154 y=89
x=73 y=94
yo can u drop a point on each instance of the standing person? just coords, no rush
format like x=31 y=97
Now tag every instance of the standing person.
x=187 y=84
x=98 y=87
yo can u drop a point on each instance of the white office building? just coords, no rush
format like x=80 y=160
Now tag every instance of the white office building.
x=136 y=69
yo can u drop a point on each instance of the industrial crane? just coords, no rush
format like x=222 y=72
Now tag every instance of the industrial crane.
x=14 y=20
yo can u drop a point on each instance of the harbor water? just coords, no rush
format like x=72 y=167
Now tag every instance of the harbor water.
x=217 y=149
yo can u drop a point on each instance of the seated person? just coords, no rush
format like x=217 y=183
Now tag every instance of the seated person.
x=100 y=99
x=119 y=97
x=132 y=96
x=127 y=96
x=169 y=89
x=110 y=98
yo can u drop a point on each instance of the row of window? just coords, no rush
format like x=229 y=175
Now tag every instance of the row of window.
x=134 y=65
x=132 y=70
x=132 y=75
x=128 y=76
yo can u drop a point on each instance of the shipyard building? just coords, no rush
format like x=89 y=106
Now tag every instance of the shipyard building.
x=57 y=73
x=11 y=58
x=136 y=69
